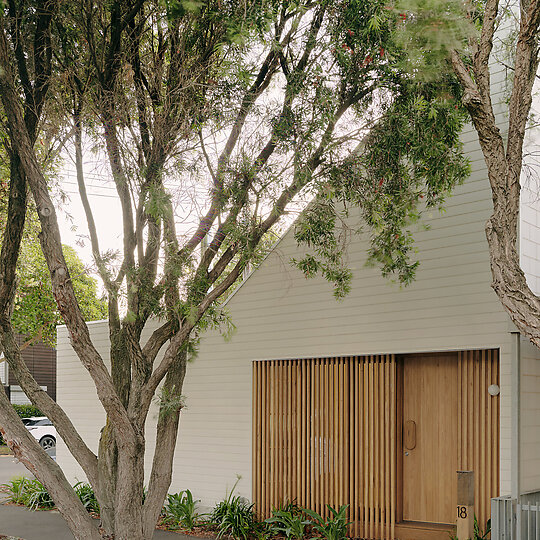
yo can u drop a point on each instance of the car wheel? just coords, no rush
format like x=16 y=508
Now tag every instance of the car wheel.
x=47 y=442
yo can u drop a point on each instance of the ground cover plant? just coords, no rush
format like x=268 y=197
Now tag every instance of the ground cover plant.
x=28 y=492
x=33 y=494
x=233 y=517
x=333 y=528
x=181 y=511
x=288 y=521
x=86 y=494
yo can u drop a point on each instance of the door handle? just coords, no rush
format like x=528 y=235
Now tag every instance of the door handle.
x=409 y=435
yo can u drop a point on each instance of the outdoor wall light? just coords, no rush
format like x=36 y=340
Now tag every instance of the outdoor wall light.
x=494 y=390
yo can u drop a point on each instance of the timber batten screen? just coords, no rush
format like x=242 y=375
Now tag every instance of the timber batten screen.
x=325 y=433
x=329 y=431
x=478 y=417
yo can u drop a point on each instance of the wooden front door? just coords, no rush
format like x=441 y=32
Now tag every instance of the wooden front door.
x=430 y=435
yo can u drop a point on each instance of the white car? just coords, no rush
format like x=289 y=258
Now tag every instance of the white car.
x=41 y=429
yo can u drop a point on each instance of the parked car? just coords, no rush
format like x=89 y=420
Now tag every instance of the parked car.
x=41 y=429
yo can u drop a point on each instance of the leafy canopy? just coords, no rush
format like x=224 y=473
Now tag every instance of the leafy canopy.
x=35 y=311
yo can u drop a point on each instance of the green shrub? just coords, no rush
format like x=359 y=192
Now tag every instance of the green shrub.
x=86 y=494
x=25 y=411
x=234 y=517
x=15 y=489
x=334 y=528
x=31 y=493
x=288 y=522
x=478 y=533
x=37 y=495
x=181 y=509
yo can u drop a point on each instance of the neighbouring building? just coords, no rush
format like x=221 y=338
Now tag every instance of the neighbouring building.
x=41 y=361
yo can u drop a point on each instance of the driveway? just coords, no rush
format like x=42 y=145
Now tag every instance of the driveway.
x=49 y=525
x=10 y=467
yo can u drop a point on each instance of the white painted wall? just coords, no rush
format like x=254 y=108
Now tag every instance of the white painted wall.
x=530 y=417
x=530 y=263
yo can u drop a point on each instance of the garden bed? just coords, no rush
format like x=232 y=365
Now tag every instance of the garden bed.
x=232 y=518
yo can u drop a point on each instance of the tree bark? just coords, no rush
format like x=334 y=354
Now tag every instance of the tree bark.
x=166 y=435
x=504 y=165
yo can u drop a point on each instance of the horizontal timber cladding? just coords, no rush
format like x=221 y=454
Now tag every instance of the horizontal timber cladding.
x=325 y=433
x=329 y=431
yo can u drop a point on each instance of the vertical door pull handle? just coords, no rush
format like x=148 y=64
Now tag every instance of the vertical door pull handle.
x=409 y=435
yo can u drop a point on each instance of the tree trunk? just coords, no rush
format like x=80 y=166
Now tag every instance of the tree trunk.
x=166 y=435
x=28 y=451
x=107 y=472
x=128 y=518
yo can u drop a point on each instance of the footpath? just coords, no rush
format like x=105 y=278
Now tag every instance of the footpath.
x=26 y=524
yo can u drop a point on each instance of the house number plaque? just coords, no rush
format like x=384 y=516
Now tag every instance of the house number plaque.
x=465 y=505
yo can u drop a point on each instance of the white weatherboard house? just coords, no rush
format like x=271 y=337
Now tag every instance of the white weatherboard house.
x=375 y=401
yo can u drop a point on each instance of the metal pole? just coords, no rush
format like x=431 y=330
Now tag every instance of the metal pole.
x=516 y=416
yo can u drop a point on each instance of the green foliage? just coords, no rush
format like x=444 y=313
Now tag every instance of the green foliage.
x=334 y=528
x=86 y=494
x=234 y=516
x=288 y=521
x=478 y=534
x=316 y=228
x=181 y=510
x=391 y=180
x=15 y=489
x=25 y=411
x=428 y=31
x=31 y=493
x=35 y=310
x=170 y=401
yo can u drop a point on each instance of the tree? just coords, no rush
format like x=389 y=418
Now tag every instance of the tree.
x=35 y=313
x=267 y=102
x=504 y=158
x=469 y=59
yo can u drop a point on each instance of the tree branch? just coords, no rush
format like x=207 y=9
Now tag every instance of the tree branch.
x=86 y=459
x=52 y=249
x=28 y=451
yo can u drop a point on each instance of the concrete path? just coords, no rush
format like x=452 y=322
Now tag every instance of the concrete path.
x=10 y=467
x=40 y=525
x=48 y=525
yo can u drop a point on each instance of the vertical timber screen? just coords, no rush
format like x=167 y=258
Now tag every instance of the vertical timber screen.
x=478 y=421
x=324 y=432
